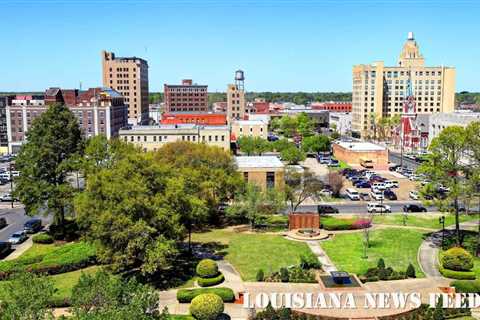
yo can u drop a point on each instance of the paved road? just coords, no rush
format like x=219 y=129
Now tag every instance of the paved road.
x=395 y=158
x=15 y=219
x=361 y=206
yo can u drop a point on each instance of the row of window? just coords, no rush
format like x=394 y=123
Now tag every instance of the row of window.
x=192 y=138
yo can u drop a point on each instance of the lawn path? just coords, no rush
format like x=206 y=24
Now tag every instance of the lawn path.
x=317 y=250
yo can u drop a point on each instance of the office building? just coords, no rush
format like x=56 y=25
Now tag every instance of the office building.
x=264 y=171
x=129 y=77
x=4 y=102
x=249 y=128
x=380 y=91
x=186 y=97
x=438 y=122
x=340 y=122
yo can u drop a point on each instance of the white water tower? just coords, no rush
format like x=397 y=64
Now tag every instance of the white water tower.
x=239 y=79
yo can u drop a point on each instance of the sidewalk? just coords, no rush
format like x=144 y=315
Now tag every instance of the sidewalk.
x=20 y=249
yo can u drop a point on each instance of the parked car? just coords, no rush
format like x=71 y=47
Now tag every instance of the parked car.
x=364 y=196
x=326 y=192
x=352 y=194
x=3 y=222
x=7 y=197
x=5 y=247
x=323 y=209
x=375 y=207
x=391 y=184
x=333 y=163
x=378 y=185
x=18 y=237
x=32 y=226
x=414 y=195
x=363 y=184
x=414 y=208
x=389 y=194
x=377 y=195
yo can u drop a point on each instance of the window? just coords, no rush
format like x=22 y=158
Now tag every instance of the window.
x=270 y=179
x=245 y=176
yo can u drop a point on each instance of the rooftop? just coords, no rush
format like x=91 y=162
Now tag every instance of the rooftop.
x=360 y=146
x=249 y=122
x=182 y=126
x=258 y=162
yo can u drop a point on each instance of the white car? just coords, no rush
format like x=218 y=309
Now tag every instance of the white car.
x=413 y=195
x=17 y=237
x=391 y=184
x=326 y=192
x=377 y=195
x=375 y=207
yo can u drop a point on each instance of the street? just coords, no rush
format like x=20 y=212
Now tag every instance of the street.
x=359 y=207
x=395 y=157
x=15 y=219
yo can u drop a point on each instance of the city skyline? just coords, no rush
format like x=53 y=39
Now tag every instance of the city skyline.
x=282 y=46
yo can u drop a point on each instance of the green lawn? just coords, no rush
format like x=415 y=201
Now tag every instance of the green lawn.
x=65 y=282
x=250 y=252
x=398 y=247
x=424 y=221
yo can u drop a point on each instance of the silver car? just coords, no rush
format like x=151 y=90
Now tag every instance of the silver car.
x=18 y=237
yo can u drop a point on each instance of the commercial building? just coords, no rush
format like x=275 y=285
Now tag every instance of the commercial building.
x=235 y=102
x=98 y=110
x=354 y=153
x=333 y=106
x=211 y=119
x=129 y=77
x=438 y=122
x=4 y=102
x=151 y=138
x=380 y=91
x=340 y=122
x=261 y=105
x=264 y=171
x=186 y=97
x=249 y=128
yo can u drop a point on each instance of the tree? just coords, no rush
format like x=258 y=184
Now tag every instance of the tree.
x=288 y=125
x=473 y=142
x=253 y=145
x=445 y=167
x=103 y=296
x=125 y=210
x=336 y=182
x=53 y=145
x=305 y=125
x=292 y=155
x=26 y=297
x=316 y=144
x=282 y=144
x=300 y=186
x=253 y=203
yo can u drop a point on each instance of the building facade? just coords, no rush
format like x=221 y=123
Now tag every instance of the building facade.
x=98 y=110
x=249 y=128
x=129 y=77
x=264 y=171
x=152 y=138
x=333 y=106
x=186 y=97
x=353 y=153
x=235 y=102
x=4 y=102
x=379 y=91
x=340 y=122
x=438 y=122
x=209 y=119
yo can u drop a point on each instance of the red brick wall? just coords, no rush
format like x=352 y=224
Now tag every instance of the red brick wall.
x=206 y=119
x=303 y=220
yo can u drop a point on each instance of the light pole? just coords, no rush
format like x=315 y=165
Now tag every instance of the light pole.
x=11 y=182
x=441 y=220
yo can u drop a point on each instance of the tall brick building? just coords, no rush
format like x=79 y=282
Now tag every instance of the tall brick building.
x=186 y=97
x=129 y=77
x=98 y=110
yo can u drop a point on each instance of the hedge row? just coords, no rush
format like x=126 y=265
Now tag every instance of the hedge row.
x=460 y=275
x=69 y=257
x=332 y=223
x=42 y=238
x=186 y=295
x=466 y=286
x=208 y=282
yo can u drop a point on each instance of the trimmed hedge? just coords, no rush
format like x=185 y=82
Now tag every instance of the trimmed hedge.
x=207 y=268
x=466 y=286
x=42 y=238
x=331 y=223
x=457 y=259
x=208 y=282
x=460 y=275
x=186 y=295
x=70 y=257
x=207 y=306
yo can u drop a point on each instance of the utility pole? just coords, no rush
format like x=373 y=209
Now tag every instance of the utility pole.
x=11 y=182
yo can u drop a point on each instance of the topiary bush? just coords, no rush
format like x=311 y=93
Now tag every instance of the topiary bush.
x=42 y=238
x=208 y=282
x=284 y=275
x=460 y=275
x=457 y=259
x=381 y=263
x=410 y=271
x=187 y=295
x=309 y=261
x=207 y=306
x=207 y=268
x=260 y=275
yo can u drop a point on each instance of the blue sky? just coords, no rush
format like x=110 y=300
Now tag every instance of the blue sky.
x=282 y=45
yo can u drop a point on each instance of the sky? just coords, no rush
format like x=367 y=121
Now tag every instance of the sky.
x=282 y=45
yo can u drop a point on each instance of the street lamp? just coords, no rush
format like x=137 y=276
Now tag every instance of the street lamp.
x=11 y=182
x=441 y=220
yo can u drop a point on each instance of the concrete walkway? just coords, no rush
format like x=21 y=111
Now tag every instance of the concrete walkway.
x=20 y=249
x=429 y=250
x=317 y=250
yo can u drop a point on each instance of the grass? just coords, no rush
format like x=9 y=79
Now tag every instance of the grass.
x=423 y=221
x=250 y=252
x=65 y=282
x=398 y=247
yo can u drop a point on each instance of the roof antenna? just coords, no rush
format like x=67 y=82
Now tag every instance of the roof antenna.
x=80 y=85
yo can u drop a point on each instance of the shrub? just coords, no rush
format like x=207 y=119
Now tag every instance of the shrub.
x=42 y=238
x=260 y=275
x=457 y=259
x=207 y=268
x=410 y=271
x=331 y=223
x=309 y=261
x=208 y=282
x=299 y=275
x=284 y=274
x=361 y=224
x=460 y=275
x=466 y=286
x=381 y=263
x=186 y=295
x=207 y=306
